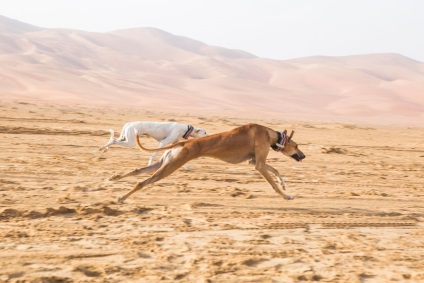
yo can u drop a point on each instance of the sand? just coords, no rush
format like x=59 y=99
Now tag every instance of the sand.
x=357 y=216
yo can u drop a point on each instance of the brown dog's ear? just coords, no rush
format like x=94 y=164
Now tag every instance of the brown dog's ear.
x=290 y=137
x=285 y=132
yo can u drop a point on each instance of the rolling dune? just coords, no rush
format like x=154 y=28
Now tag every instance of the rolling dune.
x=144 y=67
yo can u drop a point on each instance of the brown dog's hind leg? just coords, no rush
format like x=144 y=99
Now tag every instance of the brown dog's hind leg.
x=148 y=169
x=170 y=165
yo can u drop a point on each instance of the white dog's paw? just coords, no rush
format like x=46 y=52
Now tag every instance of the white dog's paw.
x=103 y=149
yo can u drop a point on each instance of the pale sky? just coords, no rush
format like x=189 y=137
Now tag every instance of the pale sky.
x=277 y=29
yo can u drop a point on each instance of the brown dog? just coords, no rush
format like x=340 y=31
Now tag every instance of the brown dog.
x=249 y=142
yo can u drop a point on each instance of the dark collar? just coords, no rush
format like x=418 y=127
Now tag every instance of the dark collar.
x=189 y=131
x=281 y=142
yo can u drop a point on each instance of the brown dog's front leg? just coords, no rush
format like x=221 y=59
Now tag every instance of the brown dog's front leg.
x=277 y=175
x=273 y=171
x=264 y=172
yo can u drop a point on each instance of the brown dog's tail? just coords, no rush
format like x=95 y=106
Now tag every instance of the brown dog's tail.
x=137 y=139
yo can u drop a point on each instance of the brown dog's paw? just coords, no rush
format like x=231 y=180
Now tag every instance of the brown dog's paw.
x=115 y=177
x=289 y=197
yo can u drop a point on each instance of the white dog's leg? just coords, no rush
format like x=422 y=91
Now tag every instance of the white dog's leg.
x=168 y=140
x=127 y=137
x=163 y=143
x=152 y=157
x=174 y=139
x=110 y=142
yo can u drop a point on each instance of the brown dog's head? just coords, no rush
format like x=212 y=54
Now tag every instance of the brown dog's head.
x=291 y=149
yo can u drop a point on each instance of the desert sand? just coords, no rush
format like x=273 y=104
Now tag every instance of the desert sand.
x=357 y=216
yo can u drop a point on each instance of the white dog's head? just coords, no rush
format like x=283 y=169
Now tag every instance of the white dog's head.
x=198 y=133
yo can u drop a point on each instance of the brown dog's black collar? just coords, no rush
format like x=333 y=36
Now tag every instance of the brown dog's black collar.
x=281 y=142
x=189 y=131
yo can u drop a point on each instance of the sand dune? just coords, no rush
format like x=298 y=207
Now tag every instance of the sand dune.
x=143 y=67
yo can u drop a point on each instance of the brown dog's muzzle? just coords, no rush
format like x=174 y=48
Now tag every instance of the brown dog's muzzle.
x=298 y=156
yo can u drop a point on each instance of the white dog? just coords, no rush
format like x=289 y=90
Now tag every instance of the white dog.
x=164 y=132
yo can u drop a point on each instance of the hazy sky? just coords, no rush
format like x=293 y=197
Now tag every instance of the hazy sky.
x=278 y=29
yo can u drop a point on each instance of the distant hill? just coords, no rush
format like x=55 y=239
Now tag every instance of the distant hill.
x=150 y=68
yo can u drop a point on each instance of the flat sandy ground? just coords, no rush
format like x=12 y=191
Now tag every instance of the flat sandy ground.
x=358 y=215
